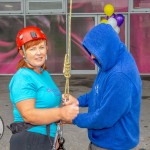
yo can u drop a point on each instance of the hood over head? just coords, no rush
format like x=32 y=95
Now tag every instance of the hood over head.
x=104 y=43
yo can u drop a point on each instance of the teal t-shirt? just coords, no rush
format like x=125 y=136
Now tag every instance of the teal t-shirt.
x=27 y=84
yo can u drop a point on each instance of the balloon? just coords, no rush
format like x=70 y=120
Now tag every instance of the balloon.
x=103 y=21
x=112 y=22
x=117 y=29
x=112 y=16
x=108 y=9
x=120 y=19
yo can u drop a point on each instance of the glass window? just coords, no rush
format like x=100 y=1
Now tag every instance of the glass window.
x=79 y=58
x=141 y=4
x=140 y=40
x=96 y=6
x=45 y=6
x=10 y=6
x=9 y=27
x=55 y=29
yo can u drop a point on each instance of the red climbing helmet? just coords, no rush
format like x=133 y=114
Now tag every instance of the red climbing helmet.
x=28 y=34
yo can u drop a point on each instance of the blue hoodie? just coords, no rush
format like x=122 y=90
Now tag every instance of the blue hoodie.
x=114 y=101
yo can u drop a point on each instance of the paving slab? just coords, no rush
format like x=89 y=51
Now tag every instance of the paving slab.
x=76 y=138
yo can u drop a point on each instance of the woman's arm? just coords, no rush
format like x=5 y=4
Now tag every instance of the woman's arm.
x=38 y=116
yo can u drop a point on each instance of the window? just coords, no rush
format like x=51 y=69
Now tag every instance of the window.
x=45 y=6
x=11 y=7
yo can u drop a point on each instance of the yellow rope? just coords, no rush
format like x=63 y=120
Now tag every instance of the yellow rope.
x=67 y=63
x=66 y=72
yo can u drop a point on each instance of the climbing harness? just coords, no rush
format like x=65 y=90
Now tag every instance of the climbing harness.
x=67 y=75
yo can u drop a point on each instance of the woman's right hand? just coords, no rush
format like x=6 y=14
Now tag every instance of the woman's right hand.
x=69 y=112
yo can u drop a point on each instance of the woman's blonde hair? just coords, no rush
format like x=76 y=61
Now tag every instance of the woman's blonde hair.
x=22 y=63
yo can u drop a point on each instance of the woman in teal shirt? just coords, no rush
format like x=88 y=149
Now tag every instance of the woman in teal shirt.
x=34 y=95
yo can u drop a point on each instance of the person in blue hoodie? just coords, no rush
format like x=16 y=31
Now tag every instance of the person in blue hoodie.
x=114 y=101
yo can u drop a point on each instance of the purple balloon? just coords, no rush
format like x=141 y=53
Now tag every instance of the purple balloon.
x=112 y=16
x=120 y=19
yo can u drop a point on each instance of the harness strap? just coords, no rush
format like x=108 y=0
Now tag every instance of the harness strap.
x=17 y=127
x=48 y=134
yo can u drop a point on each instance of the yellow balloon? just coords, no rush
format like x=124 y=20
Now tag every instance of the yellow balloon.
x=104 y=21
x=108 y=9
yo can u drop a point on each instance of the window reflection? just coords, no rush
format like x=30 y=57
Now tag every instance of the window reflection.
x=80 y=60
x=97 y=6
x=141 y=4
x=10 y=6
x=139 y=40
x=54 y=27
x=9 y=26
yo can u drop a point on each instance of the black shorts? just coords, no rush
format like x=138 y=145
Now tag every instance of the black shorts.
x=26 y=140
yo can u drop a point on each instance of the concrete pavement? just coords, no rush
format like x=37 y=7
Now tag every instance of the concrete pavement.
x=76 y=138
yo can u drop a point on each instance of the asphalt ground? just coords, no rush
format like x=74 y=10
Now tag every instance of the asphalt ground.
x=75 y=138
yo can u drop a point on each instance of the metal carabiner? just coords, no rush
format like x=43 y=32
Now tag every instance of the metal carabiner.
x=60 y=138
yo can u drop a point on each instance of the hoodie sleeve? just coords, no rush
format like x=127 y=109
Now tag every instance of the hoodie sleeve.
x=115 y=103
x=83 y=100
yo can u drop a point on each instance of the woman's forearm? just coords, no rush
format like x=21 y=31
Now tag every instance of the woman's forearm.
x=47 y=116
x=42 y=116
x=39 y=116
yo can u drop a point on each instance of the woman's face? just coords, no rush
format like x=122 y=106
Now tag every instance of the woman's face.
x=36 y=55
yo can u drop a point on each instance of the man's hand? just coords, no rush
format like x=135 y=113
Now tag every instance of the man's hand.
x=72 y=100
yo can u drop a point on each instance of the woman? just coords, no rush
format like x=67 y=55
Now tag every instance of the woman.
x=35 y=96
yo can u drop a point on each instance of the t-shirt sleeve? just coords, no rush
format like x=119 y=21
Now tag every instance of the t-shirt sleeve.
x=22 y=89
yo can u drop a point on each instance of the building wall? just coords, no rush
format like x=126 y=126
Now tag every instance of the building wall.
x=52 y=18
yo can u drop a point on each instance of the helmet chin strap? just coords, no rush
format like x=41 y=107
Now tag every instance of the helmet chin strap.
x=25 y=56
